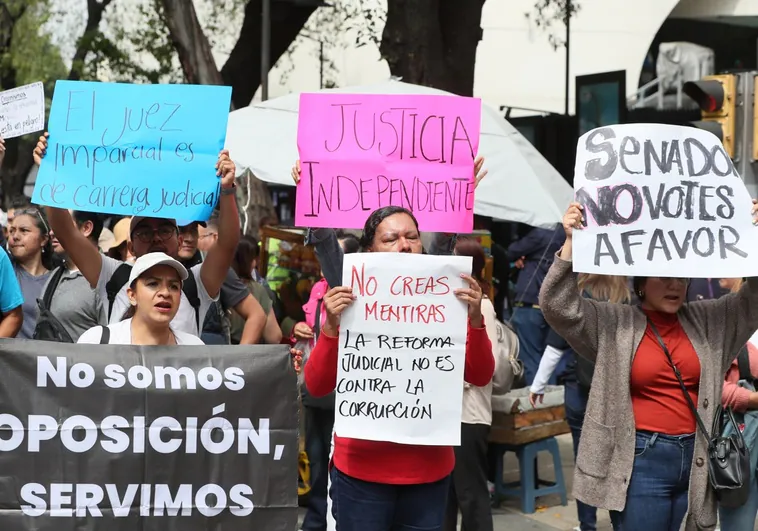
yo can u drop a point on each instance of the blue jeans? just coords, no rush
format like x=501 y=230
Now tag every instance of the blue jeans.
x=657 y=496
x=575 y=398
x=364 y=506
x=319 y=423
x=531 y=329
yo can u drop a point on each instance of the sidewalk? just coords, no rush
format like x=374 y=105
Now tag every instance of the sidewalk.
x=550 y=515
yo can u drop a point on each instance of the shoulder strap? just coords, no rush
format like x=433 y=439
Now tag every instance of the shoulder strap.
x=679 y=378
x=317 y=323
x=743 y=361
x=189 y=287
x=117 y=281
x=47 y=299
x=105 y=338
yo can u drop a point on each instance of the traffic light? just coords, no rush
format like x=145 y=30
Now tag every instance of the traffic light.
x=717 y=98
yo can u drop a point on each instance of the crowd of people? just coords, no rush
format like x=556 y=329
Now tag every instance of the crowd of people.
x=633 y=355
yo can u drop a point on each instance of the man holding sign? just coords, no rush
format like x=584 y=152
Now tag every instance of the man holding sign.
x=378 y=484
x=659 y=203
x=147 y=234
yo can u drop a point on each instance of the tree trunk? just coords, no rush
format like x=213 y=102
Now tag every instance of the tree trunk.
x=259 y=207
x=17 y=162
x=95 y=12
x=190 y=42
x=242 y=69
x=433 y=42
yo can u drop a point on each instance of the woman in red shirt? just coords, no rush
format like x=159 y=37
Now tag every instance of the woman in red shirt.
x=383 y=486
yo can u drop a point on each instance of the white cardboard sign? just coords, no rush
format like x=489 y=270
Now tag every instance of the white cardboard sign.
x=402 y=349
x=661 y=200
x=22 y=110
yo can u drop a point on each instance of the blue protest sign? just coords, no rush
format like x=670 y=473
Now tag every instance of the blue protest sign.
x=134 y=149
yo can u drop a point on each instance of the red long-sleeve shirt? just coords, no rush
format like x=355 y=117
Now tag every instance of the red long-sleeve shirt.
x=386 y=462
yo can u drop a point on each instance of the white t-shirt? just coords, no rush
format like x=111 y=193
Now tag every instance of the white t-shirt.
x=121 y=334
x=184 y=320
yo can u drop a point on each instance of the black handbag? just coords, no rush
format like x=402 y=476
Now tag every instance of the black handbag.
x=728 y=457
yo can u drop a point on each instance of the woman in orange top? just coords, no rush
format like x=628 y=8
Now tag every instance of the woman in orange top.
x=382 y=486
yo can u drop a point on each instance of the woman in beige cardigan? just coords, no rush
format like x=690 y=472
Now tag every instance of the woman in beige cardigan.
x=639 y=455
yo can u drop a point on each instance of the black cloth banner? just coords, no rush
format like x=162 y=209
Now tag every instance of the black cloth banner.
x=126 y=438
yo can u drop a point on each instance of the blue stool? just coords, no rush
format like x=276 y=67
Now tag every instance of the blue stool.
x=528 y=488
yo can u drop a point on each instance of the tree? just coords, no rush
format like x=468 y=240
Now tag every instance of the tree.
x=26 y=56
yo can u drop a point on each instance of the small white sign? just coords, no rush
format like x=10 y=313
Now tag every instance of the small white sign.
x=661 y=200
x=22 y=110
x=402 y=349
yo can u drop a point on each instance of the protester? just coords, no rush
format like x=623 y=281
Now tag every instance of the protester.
x=648 y=480
x=577 y=379
x=119 y=248
x=743 y=401
x=154 y=292
x=468 y=486
x=33 y=259
x=242 y=265
x=234 y=297
x=381 y=485
x=149 y=235
x=68 y=306
x=11 y=299
x=319 y=412
x=533 y=254
x=730 y=285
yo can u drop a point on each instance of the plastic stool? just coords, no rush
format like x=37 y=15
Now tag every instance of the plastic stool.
x=528 y=488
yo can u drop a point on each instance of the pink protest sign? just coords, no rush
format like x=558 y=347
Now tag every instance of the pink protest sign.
x=360 y=152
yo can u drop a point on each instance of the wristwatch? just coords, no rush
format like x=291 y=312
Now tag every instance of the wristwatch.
x=229 y=191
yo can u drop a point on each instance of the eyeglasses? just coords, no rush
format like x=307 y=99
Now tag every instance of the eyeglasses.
x=146 y=234
x=208 y=235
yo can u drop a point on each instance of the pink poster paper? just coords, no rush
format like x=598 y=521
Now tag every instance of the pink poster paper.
x=360 y=152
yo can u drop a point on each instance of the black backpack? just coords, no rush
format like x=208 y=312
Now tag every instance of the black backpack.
x=48 y=327
x=121 y=276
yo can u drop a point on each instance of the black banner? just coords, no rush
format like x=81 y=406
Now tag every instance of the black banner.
x=124 y=438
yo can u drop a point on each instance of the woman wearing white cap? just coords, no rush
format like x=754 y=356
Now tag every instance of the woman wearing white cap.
x=154 y=292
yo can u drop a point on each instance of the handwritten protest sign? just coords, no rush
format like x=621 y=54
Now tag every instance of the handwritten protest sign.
x=402 y=349
x=134 y=149
x=359 y=152
x=661 y=200
x=22 y=110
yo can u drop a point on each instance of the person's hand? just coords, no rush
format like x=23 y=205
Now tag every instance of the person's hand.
x=302 y=331
x=478 y=163
x=297 y=359
x=755 y=211
x=336 y=301
x=573 y=218
x=296 y=172
x=519 y=264
x=472 y=296
x=41 y=148
x=224 y=168
x=534 y=398
x=2 y=149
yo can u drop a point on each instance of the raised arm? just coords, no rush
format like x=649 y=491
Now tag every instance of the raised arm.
x=85 y=255
x=572 y=316
x=219 y=259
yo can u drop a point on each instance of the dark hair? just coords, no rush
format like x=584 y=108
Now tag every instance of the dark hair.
x=40 y=221
x=247 y=251
x=20 y=202
x=376 y=217
x=470 y=247
x=81 y=217
x=350 y=243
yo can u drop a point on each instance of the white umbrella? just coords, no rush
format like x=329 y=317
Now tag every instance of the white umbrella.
x=521 y=185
